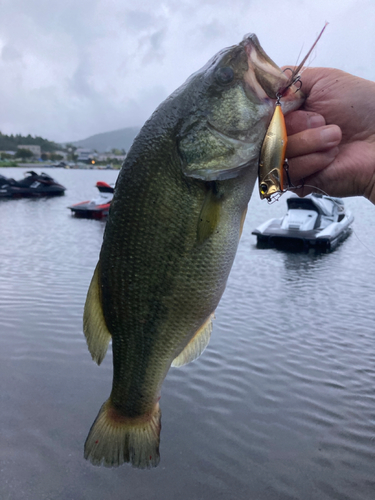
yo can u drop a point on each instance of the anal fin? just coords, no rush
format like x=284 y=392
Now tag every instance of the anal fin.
x=197 y=344
x=94 y=326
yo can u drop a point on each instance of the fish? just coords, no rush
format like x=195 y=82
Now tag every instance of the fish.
x=174 y=225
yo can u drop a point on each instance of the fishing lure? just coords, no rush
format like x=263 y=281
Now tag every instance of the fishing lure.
x=272 y=156
x=272 y=162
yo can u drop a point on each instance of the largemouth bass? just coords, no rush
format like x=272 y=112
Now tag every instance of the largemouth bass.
x=172 y=234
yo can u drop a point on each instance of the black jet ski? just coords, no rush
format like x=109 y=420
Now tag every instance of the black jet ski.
x=97 y=208
x=32 y=185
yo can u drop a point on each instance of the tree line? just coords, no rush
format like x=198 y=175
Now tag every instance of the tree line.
x=11 y=142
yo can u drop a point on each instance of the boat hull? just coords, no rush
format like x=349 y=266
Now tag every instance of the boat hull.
x=89 y=212
x=302 y=229
x=98 y=208
x=301 y=242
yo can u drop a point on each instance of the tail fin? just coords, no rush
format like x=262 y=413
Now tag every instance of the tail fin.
x=114 y=439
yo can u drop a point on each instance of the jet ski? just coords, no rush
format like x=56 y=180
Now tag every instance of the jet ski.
x=33 y=184
x=315 y=221
x=97 y=208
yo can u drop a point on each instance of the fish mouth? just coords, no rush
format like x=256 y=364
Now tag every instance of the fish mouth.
x=266 y=79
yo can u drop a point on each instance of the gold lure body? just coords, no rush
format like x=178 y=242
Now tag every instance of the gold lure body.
x=272 y=156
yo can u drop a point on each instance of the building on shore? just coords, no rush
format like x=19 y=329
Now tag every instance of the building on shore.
x=36 y=150
x=8 y=153
x=85 y=155
x=110 y=157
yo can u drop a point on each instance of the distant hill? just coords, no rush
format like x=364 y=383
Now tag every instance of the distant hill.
x=118 y=139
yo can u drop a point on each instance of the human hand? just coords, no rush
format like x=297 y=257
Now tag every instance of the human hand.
x=331 y=140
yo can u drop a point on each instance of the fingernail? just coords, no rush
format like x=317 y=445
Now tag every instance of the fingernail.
x=330 y=135
x=316 y=121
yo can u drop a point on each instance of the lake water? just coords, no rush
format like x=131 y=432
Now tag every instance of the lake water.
x=281 y=405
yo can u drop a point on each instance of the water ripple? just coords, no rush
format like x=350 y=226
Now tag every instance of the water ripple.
x=280 y=405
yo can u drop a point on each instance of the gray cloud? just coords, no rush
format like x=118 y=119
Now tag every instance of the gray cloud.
x=80 y=82
x=139 y=20
x=74 y=68
x=10 y=54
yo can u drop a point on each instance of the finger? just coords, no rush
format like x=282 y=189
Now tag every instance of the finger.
x=313 y=140
x=301 y=120
x=303 y=167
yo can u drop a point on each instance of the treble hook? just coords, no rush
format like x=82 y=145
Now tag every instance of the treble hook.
x=297 y=80
x=295 y=73
x=288 y=69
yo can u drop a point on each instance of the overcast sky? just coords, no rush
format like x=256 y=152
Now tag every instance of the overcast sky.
x=73 y=68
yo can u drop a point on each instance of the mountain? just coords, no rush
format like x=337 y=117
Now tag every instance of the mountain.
x=117 y=139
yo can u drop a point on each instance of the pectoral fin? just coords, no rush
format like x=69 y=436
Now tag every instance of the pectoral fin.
x=243 y=217
x=94 y=326
x=197 y=344
x=209 y=215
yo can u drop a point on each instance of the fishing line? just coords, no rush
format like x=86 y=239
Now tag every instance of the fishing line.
x=296 y=72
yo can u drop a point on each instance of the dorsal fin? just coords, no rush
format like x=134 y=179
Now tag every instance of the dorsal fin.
x=94 y=326
x=196 y=345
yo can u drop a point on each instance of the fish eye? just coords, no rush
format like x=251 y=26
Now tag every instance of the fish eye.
x=225 y=75
x=263 y=188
